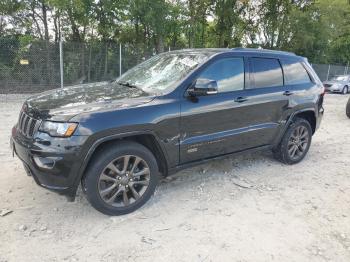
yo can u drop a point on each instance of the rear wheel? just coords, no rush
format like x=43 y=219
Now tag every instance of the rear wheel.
x=295 y=143
x=121 y=178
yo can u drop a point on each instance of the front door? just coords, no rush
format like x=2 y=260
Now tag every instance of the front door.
x=207 y=122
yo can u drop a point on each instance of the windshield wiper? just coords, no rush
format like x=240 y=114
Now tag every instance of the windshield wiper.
x=127 y=84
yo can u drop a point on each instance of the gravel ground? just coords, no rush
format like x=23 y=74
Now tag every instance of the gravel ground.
x=246 y=208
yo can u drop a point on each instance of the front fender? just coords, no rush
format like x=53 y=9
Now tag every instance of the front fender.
x=93 y=143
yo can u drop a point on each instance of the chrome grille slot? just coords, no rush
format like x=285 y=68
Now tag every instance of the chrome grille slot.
x=32 y=127
x=21 y=119
x=27 y=125
x=26 y=120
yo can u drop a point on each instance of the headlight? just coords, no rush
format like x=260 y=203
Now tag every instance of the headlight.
x=58 y=129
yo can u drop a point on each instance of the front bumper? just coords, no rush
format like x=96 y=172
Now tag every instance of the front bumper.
x=332 y=89
x=54 y=163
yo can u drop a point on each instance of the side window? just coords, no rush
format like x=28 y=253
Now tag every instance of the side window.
x=295 y=73
x=267 y=72
x=227 y=72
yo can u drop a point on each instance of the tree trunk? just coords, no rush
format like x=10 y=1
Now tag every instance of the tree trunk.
x=50 y=76
x=89 y=66
x=159 y=44
x=46 y=27
x=82 y=70
x=75 y=30
x=106 y=62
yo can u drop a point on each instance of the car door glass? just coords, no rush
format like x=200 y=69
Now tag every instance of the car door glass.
x=295 y=73
x=227 y=72
x=267 y=72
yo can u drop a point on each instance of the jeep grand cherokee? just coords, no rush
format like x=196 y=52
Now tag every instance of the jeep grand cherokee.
x=175 y=110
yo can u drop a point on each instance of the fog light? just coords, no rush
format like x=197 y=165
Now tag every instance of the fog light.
x=45 y=162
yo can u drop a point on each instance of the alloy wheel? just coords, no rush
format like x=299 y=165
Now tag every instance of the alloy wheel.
x=298 y=142
x=124 y=180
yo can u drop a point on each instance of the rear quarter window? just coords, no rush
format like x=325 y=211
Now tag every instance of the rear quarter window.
x=295 y=73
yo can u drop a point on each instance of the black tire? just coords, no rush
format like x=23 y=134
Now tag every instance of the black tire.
x=348 y=108
x=100 y=163
x=345 y=90
x=282 y=152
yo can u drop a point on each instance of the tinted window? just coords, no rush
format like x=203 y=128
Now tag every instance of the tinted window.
x=295 y=73
x=340 y=78
x=227 y=72
x=267 y=72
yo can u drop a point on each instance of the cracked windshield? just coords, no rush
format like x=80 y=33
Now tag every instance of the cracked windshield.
x=160 y=73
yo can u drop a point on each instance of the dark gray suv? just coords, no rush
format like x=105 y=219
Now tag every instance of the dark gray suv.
x=175 y=110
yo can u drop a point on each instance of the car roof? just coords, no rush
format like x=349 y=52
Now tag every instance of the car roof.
x=263 y=51
x=239 y=50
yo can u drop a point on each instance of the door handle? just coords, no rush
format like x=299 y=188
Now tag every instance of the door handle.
x=288 y=93
x=240 y=99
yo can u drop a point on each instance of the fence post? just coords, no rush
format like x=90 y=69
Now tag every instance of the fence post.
x=346 y=68
x=61 y=62
x=329 y=67
x=120 y=59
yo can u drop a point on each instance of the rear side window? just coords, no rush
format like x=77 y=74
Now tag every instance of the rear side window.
x=267 y=72
x=227 y=72
x=295 y=73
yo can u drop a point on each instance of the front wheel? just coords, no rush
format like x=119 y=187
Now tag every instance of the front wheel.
x=295 y=143
x=121 y=178
x=345 y=90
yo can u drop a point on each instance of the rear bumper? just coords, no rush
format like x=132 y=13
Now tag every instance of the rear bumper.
x=319 y=117
x=54 y=163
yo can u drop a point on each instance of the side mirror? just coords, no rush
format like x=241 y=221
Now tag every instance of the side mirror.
x=203 y=87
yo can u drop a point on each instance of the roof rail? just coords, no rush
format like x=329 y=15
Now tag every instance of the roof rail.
x=262 y=50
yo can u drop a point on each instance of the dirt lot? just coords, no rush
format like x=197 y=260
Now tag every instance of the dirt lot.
x=247 y=208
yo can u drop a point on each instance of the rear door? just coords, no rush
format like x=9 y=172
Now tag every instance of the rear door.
x=266 y=100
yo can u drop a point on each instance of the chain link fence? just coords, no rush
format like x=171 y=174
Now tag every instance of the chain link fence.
x=35 y=66
x=326 y=72
x=28 y=66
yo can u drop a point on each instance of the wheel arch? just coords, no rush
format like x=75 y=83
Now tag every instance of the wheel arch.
x=307 y=114
x=147 y=139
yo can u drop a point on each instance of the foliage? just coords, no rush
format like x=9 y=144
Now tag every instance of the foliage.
x=318 y=29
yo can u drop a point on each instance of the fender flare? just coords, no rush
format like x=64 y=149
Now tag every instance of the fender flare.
x=107 y=138
x=289 y=121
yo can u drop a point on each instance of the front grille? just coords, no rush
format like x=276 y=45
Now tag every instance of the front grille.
x=327 y=85
x=27 y=125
